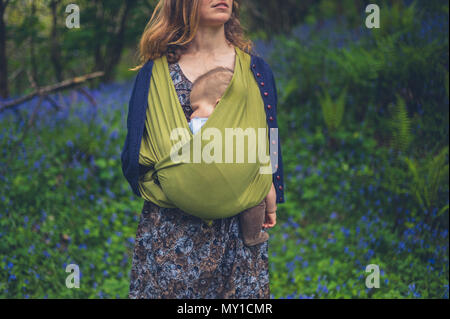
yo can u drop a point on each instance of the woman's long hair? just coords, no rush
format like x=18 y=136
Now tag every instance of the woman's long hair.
x=173 y=25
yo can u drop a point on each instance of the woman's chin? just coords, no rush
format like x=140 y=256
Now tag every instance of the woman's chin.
x=220 y=18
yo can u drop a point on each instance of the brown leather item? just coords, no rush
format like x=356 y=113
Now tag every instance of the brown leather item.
x=251 y=221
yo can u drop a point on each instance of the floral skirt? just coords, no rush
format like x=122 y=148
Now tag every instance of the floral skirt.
x=177 y=255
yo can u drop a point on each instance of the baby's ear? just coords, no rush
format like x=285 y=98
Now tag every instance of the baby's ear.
x=217 y=101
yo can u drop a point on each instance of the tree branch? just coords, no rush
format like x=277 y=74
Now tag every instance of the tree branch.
x=51 y=88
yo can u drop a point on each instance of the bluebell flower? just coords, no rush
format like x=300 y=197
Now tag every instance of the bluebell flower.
x=345 y=231
x=412 y=289
x=114 y=134
x=290 y=265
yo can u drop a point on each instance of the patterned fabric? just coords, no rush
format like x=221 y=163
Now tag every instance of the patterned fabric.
x=176 y=255
x=183 y=87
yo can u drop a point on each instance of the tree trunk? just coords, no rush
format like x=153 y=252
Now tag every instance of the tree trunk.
x=114 y=52
x=99 y=21
x=4 y=92
x=55 y=53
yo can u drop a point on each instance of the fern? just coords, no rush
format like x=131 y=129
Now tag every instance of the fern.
x=428 y=178
x=400 y=126
x=333 y=111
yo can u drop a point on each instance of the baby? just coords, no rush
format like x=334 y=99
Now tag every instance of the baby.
x=206 y=93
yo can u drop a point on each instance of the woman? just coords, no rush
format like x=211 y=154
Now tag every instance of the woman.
x=177 y=255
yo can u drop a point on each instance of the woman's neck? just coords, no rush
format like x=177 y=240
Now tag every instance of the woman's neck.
x=209 y=41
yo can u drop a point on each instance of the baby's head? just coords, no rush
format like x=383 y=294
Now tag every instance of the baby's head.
x=207 y=90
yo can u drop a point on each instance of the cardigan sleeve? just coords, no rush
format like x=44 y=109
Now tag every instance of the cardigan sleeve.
x=278 y=176
x=125 y=155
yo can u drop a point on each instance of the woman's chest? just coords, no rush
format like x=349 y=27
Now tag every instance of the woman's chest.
x=194 y=66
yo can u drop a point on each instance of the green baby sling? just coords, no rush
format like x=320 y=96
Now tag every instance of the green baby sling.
x=221 y=170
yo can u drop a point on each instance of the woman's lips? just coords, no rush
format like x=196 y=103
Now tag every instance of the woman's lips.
x=221 y=5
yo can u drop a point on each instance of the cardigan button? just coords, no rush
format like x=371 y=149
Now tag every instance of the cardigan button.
x=280 y=187
x=262 y=83
x=258 y=74
x=271 y=118
x=274 y=153
x=278 y=177
x=273 y=142
x=254 y=66
x=266 y=94
x=276 y=166
x=281 y=198
x=269 y=106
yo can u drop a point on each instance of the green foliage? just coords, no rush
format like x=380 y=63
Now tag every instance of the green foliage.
x=379 y=193
x=428 y=177
x=65 y=201
x=333 y=110
x=400 y=126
